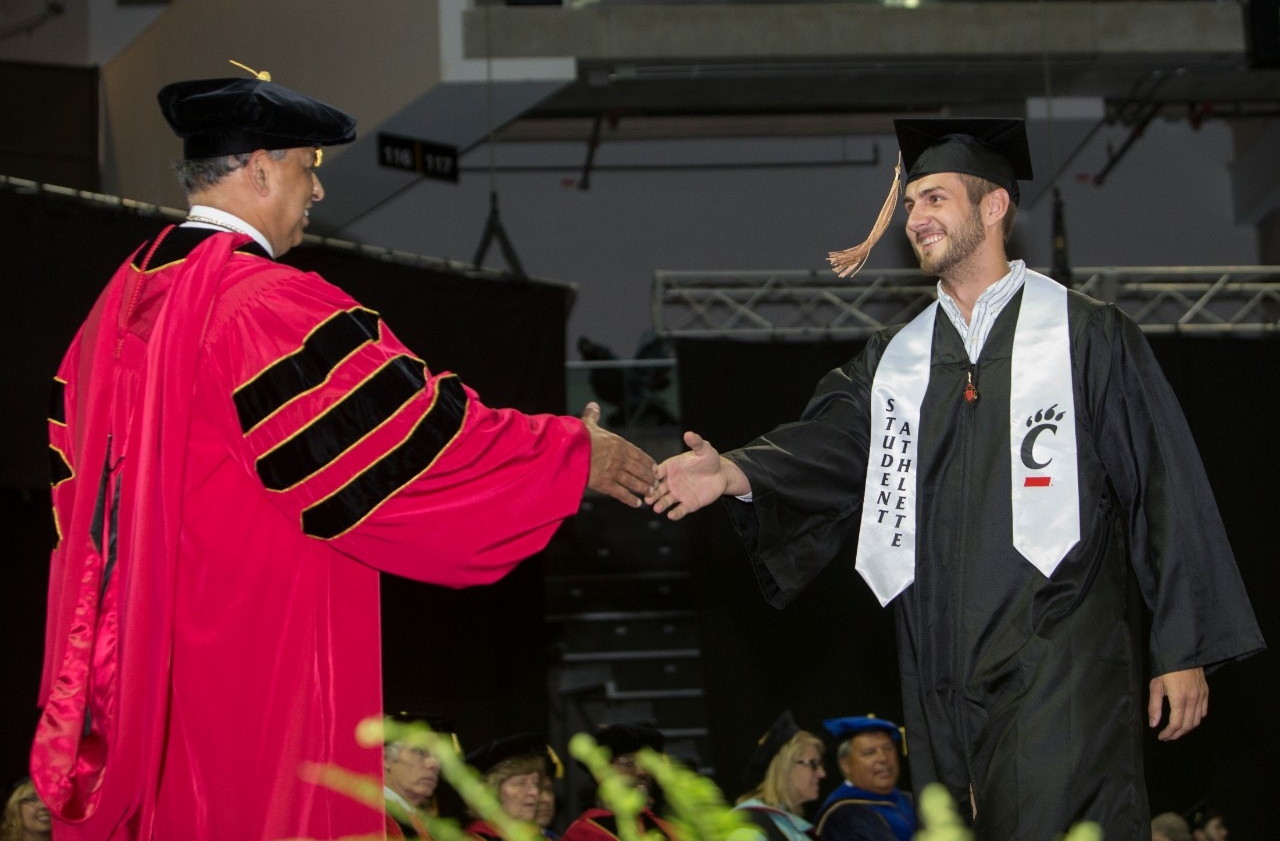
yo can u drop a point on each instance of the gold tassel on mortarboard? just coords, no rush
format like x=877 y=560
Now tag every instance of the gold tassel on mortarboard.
x=847 y=263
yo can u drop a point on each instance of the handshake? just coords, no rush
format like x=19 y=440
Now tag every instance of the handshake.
x=678 y=486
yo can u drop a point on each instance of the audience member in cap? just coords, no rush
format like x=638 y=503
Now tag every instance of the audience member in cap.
x=1170 y=826
x=515 y=767
x=1008 y=462
x=868 y=805
x=410 y=777
x=240 y=449
x=545 y=814
x=782 y=774
x=623 y=741
x=25 y=815
x=1208 y=823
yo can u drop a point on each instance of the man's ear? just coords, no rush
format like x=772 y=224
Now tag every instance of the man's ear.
x=259 y=171
x=995 y=205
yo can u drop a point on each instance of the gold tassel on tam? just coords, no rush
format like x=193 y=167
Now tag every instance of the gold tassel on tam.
x=847 y=263
x=260 y=75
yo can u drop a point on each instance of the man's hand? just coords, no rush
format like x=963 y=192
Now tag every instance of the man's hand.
x=619 y=468
x=695 y=479
x=1188 y=694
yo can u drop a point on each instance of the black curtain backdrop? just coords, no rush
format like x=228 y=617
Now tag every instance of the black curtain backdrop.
x=476 y=655
x=831 y=652
x=60 y=146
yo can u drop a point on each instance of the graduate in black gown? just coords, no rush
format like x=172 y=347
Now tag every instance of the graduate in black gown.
x=1009 y=462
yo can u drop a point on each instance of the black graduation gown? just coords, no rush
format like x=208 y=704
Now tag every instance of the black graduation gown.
x=1029 y=688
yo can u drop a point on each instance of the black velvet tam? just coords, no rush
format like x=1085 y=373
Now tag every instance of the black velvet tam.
x=488 y=755
x=216 y=117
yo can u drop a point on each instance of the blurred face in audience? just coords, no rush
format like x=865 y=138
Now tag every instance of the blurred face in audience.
x=519 y=795
x=626 y=766
x=25 y=811
x=872 y=762
x=1214 y=830
x=806 y=773
x=546 y=811
x=413 y=773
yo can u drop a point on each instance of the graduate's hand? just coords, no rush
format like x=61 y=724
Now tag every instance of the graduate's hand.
x=619 y=468
x=695 y=479
x=1188 y=694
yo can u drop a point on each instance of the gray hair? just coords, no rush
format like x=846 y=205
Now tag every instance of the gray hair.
x=196 y=174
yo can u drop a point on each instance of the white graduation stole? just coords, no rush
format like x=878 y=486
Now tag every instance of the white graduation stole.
x=1045 y=493
x=886 y=556
x=1045 y=498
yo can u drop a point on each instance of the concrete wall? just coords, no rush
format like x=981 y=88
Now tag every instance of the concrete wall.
x=88 y=32
x=57 y=40
x=368 y=60
x=787 y=30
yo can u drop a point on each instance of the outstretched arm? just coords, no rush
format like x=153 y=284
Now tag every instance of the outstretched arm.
x=695 y=479
x=619 y=468
x=1188 y=695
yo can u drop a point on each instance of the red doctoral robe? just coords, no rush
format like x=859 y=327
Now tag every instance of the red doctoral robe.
x=238 y=449
x=596 y=824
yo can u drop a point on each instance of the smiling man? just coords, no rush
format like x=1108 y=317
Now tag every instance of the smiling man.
x=1007 y=461
x=238 y=449
x=868 y=805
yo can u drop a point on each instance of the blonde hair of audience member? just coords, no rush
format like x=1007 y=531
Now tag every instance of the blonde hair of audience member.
x=776 y=788
x=25 y=816
x=515 y=802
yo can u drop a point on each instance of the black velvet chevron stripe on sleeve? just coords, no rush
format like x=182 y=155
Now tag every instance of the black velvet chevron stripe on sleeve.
x=331 y=517
x=58 y=402
x=59 y=469
x=305 y=368
x=360 y=412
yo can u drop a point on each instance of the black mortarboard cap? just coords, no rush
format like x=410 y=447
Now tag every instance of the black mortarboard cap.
x=490 y=754
x=216 y=117
x=992 y=148
x=622 y=739
x=767 y=748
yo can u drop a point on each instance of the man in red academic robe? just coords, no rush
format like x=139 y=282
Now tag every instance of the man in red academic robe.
x=239 y=448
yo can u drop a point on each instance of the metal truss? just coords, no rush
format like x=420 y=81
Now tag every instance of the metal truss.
x=794 y=305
